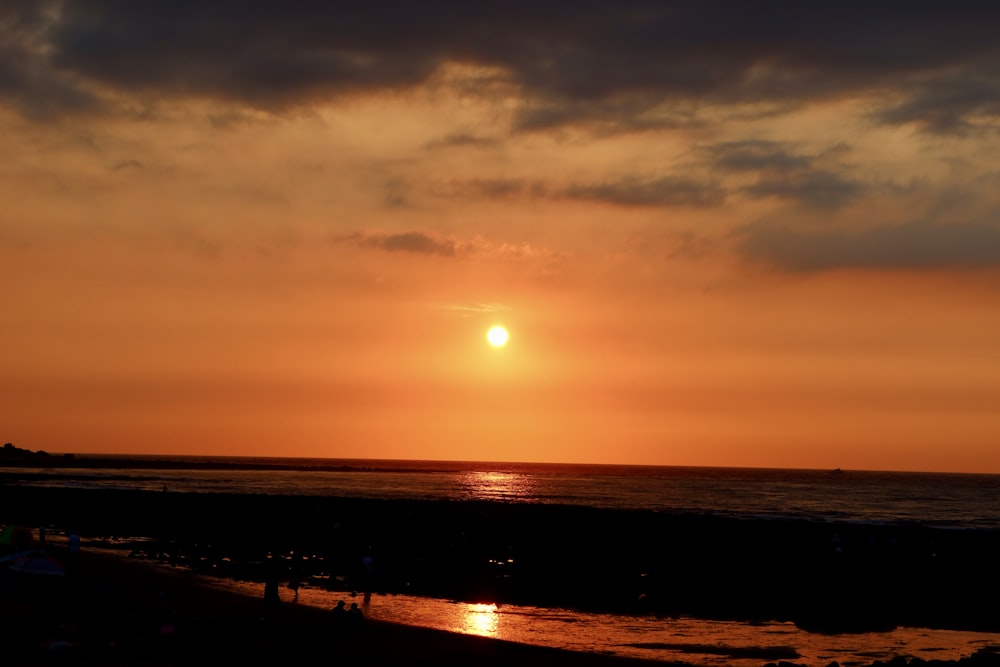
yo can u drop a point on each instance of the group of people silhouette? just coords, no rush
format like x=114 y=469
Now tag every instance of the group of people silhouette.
x=344 y=617
x=349 y=617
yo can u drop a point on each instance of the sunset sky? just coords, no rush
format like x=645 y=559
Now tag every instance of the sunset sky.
x=718 y=233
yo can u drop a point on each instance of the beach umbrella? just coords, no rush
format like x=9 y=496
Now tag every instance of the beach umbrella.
x=36 y=563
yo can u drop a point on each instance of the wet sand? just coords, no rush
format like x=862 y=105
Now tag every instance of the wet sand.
x=110 y=612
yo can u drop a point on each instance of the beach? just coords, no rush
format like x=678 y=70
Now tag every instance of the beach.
x=148 y=554
x=112 y=612
x=109 y=611
x=827 y=576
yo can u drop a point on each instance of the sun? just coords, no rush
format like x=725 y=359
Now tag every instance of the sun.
x=497 y=336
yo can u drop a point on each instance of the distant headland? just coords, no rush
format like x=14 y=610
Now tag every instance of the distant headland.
x=11 y=455
x=16 y=457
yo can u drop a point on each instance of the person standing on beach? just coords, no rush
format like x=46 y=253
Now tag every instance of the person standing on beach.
x=367 y=575
x=294 y=575
x=272 y=600
x=72 y=551
x=293 y=583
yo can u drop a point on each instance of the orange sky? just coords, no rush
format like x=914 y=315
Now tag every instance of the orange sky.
x=778 y=251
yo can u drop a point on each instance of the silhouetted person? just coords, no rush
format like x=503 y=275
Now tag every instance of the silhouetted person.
x=353 y=616
x=367 y=576
x=338 y=615
x=294 y=578
x=72 y=552
x=271 y=598
x=293 y=584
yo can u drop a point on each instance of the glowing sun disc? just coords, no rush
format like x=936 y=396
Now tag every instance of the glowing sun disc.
x=497 y=336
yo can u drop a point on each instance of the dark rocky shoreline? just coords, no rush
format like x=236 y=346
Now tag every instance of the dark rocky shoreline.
x=824 y=576
x=19 y=458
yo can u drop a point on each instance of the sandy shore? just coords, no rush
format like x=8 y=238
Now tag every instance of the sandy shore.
x=112 y=612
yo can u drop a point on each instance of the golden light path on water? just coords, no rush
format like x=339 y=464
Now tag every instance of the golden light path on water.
x=704 y=643
x=482 y=620
x=497 y=485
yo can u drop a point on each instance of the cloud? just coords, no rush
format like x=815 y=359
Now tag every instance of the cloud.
x=786 y=174
x=953 y=104
x=463 y=141
x=470 y=309
x=395 y=192
x=493 y=188
x=612 y=63
x=818 y=188
x=638 y=113
x=28 y=82
x=919 y=245
x=410 y=242
x=628 y=192
x=757 y=155
x=667 y=191
x=429 y=243
x=128 y=165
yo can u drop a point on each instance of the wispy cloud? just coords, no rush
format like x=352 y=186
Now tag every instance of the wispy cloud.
x=952 y=103
x=463 y=141
x=471 y=309
x=430 y=243
x=409 y=242
x=493 y=188
x=757 y=155
x=818 y=187
x=127 y=165
x=636 y=192
x=785 y=173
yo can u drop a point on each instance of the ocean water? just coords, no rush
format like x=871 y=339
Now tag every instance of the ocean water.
x=954 y=501
x=933 y=499
x=694 y=641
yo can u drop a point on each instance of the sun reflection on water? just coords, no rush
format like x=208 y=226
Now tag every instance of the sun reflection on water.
x=498 y=485
x=481 y=619
x=673 y=640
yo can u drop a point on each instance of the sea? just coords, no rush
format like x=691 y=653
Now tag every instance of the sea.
x=941 y=500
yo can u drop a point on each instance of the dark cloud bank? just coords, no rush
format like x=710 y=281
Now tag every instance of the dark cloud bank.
x=918 y=246
x=609 y=62
x=616 y=65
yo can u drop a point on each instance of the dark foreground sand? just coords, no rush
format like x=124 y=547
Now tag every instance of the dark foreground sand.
x=112 y=612
x=115 y=612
